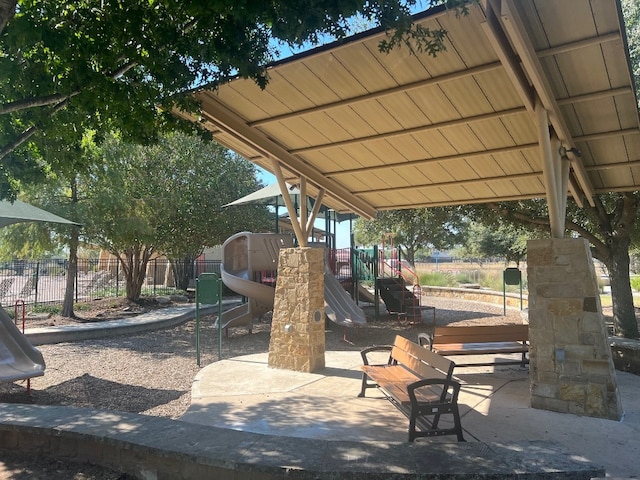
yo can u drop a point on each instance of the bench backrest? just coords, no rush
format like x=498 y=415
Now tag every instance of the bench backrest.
x=424 y=363
x=481 y=334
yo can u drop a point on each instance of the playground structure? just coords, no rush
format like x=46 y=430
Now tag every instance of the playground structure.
x=249 y=267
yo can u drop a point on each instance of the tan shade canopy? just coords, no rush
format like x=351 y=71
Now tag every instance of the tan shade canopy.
x=400 y=130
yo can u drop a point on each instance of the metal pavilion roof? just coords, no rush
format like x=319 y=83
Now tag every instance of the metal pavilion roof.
x=381 y=131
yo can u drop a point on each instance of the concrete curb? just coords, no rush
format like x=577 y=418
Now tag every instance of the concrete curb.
x=158 y=319
x=159 y=448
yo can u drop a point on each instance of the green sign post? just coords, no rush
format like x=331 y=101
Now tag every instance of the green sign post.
x=511 y=276
x=208 y=292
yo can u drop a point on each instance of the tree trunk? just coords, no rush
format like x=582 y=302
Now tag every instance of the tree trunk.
x=134 y=263
x=72 y=270
x=182 y=272
x=624 y=314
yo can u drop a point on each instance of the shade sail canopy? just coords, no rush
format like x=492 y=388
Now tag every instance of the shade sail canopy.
x=400 y=130
x=18 y=212
x=266 y=195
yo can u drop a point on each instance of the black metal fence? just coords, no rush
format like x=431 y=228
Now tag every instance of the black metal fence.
x=44 y=281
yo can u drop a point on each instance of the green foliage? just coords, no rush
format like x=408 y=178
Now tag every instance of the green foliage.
x=125 y=65
x=635 y=283
x=437 y=279
x=412 y=229
x=504 y=240
x=165 y=198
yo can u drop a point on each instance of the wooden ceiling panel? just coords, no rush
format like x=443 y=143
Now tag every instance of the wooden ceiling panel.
x=433 y=103
x=486 y=167
x=520 y=128
x=378 y=117
x=351 y=122
x=563 y=22
x=583 y=71
x=492 y=134
x=513 y=164
x=436 y=173
x=435 y=143
x=596 y=116
x=467 y=97
x=408 y=148
x=462 y=139
x=404 y=110
x=294 y=135
x=628 y=117
x=498 y=90
x=467 y=40
x=533 y=186
x=313 y=84
x=328 y=129
x=363 y=64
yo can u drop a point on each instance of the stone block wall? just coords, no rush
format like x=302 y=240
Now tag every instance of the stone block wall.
x=297 y=329
x=571 y=366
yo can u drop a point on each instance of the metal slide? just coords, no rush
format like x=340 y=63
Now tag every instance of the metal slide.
x=246 y=255
x=339 y=307
x=19 y=359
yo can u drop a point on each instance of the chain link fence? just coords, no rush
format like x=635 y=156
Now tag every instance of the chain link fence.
x=44 y=281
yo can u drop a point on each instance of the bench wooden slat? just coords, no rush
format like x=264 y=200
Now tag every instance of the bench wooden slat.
x=480 y=340
x=479 y=348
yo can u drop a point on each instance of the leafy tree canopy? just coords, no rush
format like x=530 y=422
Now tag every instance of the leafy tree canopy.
x=125 y=64
x=412 y=229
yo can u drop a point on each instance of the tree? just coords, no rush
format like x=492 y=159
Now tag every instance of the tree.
x=611 y=229
x=506 y=240
x=167 y=199
x=412 y=229
x=124 y=65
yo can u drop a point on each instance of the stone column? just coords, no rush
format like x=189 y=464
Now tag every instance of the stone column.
x=571 y=367
x=297 y=329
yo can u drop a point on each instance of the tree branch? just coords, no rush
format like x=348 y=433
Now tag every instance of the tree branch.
x=34 y=102
x=7 y=11
x=28 y=133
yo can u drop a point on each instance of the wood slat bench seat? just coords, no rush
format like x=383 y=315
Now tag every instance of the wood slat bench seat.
x=419 y=383
x=480 y=340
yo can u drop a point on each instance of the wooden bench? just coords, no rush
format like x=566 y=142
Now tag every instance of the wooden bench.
x=480 y=340
x=418 y=382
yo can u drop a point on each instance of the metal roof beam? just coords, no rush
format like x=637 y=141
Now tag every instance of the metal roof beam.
x=232 y=124
x=427 y=161
x=516 y=31
x=410 y=131
x=473 y=181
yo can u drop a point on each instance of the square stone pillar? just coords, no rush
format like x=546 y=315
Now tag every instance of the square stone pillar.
x=571 y=366
x=297 y=329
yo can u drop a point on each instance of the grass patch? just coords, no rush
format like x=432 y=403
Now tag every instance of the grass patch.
x=438 y=279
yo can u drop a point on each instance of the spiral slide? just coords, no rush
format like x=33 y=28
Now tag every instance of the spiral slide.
x=19 y=359
x=247 y=255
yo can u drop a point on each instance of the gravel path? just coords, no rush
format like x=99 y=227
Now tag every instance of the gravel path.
x=151 y=373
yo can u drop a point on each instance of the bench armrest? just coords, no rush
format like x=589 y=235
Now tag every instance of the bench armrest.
x=450 y=389
x=375 y=348
x=425 y=340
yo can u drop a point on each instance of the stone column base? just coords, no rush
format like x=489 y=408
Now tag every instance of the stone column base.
x=571 y=366
x=297 y=329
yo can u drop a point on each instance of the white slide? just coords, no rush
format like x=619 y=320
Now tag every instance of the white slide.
x=339 y=307
x=19 y=359
x=245 y=257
